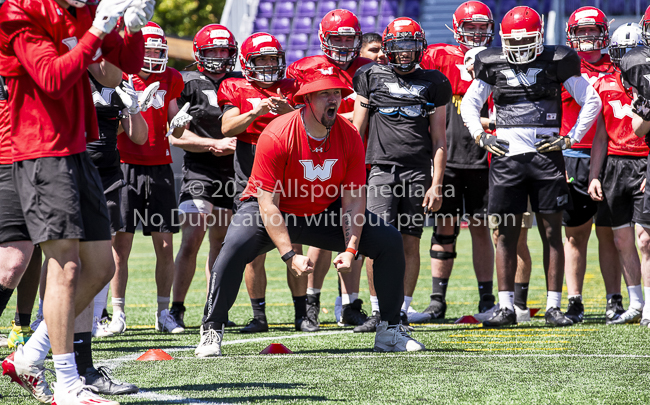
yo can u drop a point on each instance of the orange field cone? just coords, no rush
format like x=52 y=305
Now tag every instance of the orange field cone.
x=467 y=319
x=533 y=311
x=276 y=348
x=154 y=354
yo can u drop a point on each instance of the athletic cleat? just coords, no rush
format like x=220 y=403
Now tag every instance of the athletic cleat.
x=370 y=325
x=614 y=308
x=210 y=344
x=645 y=323
x=484 y=316
x=37 y=321
x=79 y=394
x=4 y=342
x=100 y=379
x=395 y=338
x=178 y=314
x=555 y=317
x=255 y=326
x=29 y=376
x=118 y=323
x=19 y=335
x=352 y=314
x=437 y=307
x=304 y=324
x=630 y=316
x=338 y=308
x=486 y=303
x=404 y=319
x=313 y=309
x=417 y=317
x=523 y=314
x=230 y=324
x=503 y=317
x=166 y=323
x=100 y=329
x=576 y=310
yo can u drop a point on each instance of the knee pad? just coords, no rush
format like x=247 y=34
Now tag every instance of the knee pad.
x=438 y=239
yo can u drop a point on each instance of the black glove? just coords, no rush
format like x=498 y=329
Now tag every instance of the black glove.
x=641 y=107
x=552 y=143
x=492 y=144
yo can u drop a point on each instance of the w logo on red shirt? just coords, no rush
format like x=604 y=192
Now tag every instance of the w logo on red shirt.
x=322 y=173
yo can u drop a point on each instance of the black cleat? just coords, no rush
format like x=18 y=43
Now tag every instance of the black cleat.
x=313 y=309
x=614 y=308
x=503 y=317
x=576 y=311
x=178 y=314
x=304 y=324
x=255 y=326
x=100 y=379
x=370 y=325
x=230 y=324
x=404 y=320
x=555 y=317
x=437 y=307
x=352 y=314
x=486 y=303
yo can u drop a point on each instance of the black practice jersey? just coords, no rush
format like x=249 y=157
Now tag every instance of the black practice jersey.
x=528 y=95
x=201 y=92
x=4 y=96
x=398 y=127
x=635 y=70
x=109 y=106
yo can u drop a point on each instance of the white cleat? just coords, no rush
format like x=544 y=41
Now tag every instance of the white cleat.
x=395 y=338
x=79 y=394
x=210 y=344
x=166 y=323
x=489 y=314
x=4 y=341
x=632 y=315
x=100 y=329
x=118 y=323
x=523 y=315
x=29 y=376
x=417 y=317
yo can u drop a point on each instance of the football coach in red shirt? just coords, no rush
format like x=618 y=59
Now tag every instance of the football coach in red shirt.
x=307 y=186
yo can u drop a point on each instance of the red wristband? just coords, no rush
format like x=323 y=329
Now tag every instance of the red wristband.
x=353 y=251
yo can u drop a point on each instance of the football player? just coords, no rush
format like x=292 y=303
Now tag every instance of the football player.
x=619 y=187
x=526 y=78
x=340 y=37
x=149 y=194
x=587 y=33
x=467 y=166
x=403 y=108
x=206 y=196
x=311 y=149
x=371 y=48
x=250 y=104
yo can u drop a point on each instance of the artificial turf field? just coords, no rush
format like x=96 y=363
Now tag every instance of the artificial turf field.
x=530 y=364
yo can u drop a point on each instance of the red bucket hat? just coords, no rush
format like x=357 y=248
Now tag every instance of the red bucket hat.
x=322 y=83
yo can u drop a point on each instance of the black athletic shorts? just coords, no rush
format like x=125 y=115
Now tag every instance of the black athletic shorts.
x=203 y=183
x=396 y=194
x=12 y=222
x=465 y=192
x=149 y=197
x=623 y=199
x=584 y=208
x=113 y=181
x=243 y=164
x=540 y=176
x=62 y=198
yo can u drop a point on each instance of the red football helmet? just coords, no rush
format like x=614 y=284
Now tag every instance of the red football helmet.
x=522 y=34
x=473 y=12
x=154 y=38
x=343 y=24
x=210 y=37
x=645 y=26
x=585 y=17
x=403 y=35
x=262 y=44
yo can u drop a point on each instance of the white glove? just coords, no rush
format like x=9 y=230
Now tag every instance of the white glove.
x=180 y=119
x=129 y=96
x=138 y=14
x=146 y=98
x=108 y=13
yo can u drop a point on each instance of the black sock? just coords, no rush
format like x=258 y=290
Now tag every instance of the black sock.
x=300 y=306
x=82 y=351
x=521 y=295
x=259 y=308
x=178 y=305
x=439 y=286
x=313 y=299
x=22 y=319
x=5 y=294
x=340 y=291
x=105 y=314
x=484 y=287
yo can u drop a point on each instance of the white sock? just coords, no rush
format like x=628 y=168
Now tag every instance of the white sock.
x=374 y=303
x=636 y=296
x=163 y=304
x=313 y=291
x=346 y=299
x=578 y=296
x=118 y=305
x=100 y=302
x=507 y=299
x=553 y=299
x=646 y=307
x=38 y=345
x=406 y=304
x=66 y=370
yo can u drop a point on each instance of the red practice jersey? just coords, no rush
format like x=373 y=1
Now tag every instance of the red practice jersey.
x=156 y=150
x=571 y=109
x=303 y=71
x=44 y=56
x=5 y=127
x=448 y=59
x=617 y=114
x=308 y=181
x=246 y=95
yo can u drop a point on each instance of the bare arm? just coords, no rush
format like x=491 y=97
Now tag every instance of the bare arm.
x=171 y=113
x=106 y=73
x=191 y=142
x=437 y=129
x=234 y=122
x=135 y=127
x=361 y=115
x=641 y=127
x=598 y=153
